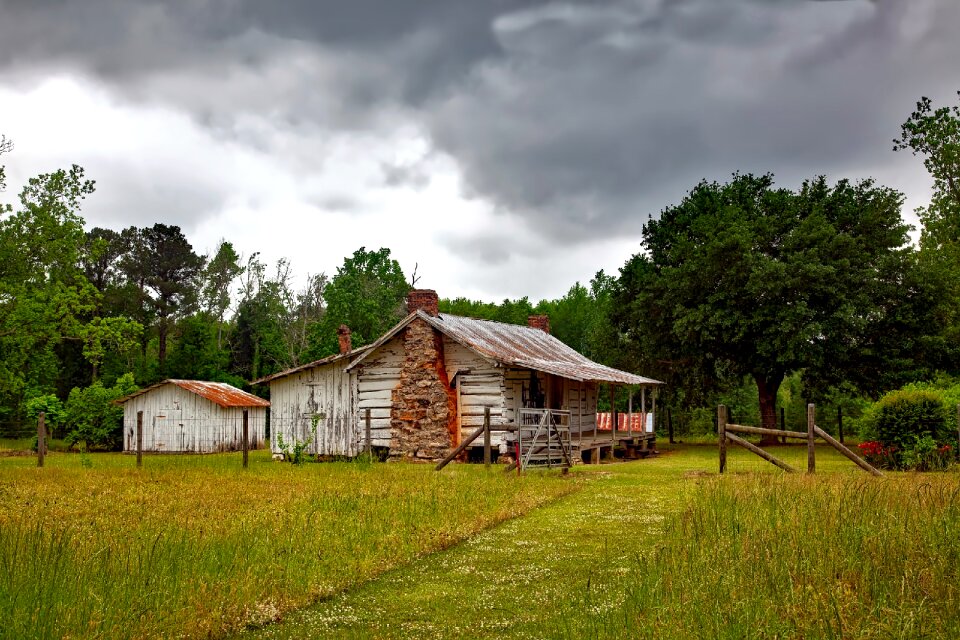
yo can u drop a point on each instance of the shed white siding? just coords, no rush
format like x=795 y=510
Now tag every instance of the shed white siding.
x=178 y=421
x=316 y=404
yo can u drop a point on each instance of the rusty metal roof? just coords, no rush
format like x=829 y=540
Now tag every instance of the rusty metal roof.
x=518 y=346
x=315 y=363
x=221 y=393
x=529 y=348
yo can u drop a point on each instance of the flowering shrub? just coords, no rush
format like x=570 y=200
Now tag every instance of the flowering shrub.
x=879 y=455
x=921 y=454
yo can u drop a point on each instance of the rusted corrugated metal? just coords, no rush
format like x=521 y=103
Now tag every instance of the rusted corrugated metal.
x=310 y=365
x=220 y=393
x=517 y=345
x=529 y=348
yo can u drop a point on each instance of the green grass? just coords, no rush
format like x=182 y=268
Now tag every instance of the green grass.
x=196 y=546
x=665 y=548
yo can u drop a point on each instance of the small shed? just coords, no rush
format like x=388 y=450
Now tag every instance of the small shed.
x=427 y=383
x=193 y=416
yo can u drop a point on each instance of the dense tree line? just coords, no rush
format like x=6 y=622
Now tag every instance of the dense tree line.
x=737 y=288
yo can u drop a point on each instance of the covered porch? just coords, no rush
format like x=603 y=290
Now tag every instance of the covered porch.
x=562 y=427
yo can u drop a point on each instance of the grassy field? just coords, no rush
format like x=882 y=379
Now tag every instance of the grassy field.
x=196 y=546
x=664 y=548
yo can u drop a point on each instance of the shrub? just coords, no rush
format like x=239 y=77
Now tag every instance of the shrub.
x=924 y=454
x=92 y=418
x=904 y=415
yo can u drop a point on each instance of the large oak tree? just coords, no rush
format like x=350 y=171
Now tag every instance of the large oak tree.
x=744 y=278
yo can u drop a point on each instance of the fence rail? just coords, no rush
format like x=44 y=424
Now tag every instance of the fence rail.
x=726 y=433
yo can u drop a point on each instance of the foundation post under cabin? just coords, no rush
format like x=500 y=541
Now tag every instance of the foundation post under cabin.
x=41 y=438
x=722 y=432
x=811 y=438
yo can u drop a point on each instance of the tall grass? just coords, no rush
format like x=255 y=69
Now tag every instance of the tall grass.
x=768 y=556
x=196 y=546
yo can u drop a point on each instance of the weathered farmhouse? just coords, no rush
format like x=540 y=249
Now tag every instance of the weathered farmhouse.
x=426 y=383
x=193 y=416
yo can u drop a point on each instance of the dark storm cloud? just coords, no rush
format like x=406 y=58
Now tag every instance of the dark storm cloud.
x=581 y=118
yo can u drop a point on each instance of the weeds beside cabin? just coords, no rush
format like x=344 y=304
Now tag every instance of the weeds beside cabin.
x=192 y=416
x=428 y=381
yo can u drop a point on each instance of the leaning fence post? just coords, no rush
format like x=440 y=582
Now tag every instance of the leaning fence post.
x=246 y=436
x=486 y=437
x=722 y=430
x=811 y=449
x=139 y=439
x=41 y=438
x=366 y=434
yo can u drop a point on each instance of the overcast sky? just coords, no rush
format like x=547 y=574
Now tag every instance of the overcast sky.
x=509 y=148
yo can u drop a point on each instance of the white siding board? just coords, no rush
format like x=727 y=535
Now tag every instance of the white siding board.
x=178 y=421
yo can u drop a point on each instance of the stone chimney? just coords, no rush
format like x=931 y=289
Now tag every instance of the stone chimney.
x=425 y=299
x=343 y=334
x=539 y=322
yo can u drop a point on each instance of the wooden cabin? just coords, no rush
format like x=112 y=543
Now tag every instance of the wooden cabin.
x=192 y=416
x=427 y=383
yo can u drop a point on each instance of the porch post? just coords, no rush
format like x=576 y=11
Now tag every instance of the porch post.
x=643 y=413
x=613 y=418
x=630 y=413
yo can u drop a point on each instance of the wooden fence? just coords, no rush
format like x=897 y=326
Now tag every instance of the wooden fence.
x=727 y=431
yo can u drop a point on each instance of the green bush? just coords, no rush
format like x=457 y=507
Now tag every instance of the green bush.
x=93 y=421
x=904 y=415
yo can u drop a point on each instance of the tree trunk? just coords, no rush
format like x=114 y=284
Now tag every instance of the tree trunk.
x=767 y=386
x=162 y=330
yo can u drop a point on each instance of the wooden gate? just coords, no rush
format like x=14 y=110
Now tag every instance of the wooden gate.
x=726 y=433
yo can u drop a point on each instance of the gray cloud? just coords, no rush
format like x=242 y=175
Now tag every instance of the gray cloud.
x=578 y=118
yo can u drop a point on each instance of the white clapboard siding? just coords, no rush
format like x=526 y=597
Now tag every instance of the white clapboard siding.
x=378 y=377
x=480 y=385
x=315 y=404
x=178 y=421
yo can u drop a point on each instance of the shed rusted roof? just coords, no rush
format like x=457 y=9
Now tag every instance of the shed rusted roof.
x=315 y=363
x=221 y=393
x=519 y=346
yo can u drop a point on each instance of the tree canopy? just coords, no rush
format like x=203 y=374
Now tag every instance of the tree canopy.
x=744 y=278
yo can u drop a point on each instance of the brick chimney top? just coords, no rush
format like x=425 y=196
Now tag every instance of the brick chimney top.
x=425 y=299
x=539 y=322
x=343 y=335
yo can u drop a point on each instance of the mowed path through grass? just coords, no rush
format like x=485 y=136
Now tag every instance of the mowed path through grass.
x=561 y=570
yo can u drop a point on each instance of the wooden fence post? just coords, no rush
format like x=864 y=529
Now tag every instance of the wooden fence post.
x=246 y=437
x=487 y=457
x=41 y=438
x=670 y=425
x=783 y=424
x=367 y=436
x=811 y=448
x=139 y=439
x=722 y=431
x=840 y=423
